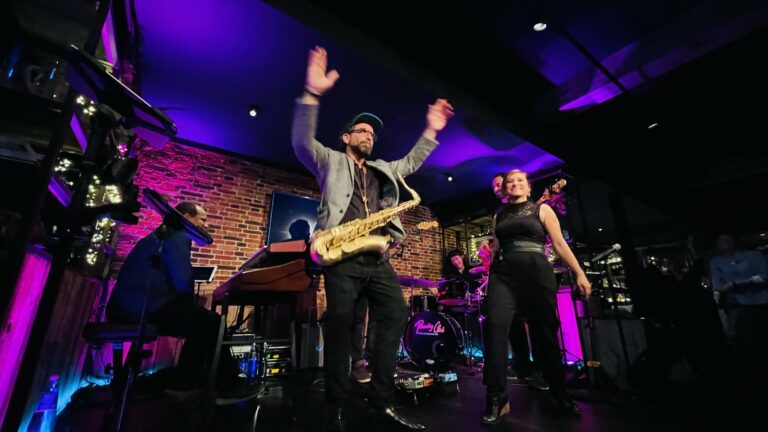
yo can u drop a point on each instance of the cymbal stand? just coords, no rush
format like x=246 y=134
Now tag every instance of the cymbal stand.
x=469 y=348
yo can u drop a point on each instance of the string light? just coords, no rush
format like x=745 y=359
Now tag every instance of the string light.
x=102 y=236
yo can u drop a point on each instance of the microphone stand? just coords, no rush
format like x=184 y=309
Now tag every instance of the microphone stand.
x=592 y=367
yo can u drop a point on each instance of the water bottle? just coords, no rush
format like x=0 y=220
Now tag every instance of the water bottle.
x=44 y=416
x=252 y=374
x=243 y=367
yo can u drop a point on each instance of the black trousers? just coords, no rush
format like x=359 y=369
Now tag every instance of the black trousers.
x=751 y=328
x=367 y=275
x=521 y=350
x=522 y=282
x=361 y=340
x=197 y=325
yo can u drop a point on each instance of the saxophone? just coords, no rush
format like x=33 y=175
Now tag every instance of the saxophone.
x=352 y=238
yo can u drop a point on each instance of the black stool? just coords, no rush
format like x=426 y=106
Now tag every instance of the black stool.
x=117 y=334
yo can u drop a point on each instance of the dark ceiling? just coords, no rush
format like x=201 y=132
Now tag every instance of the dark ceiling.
x=579 y=96
x=588 y=88
x=585 y=90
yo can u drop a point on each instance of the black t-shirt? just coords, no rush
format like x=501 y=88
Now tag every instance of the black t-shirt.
x=454 y=288
x=369 y=180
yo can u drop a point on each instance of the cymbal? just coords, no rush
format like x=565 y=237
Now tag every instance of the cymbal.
x=415 y=282
x=478 y=270
x=444 y=284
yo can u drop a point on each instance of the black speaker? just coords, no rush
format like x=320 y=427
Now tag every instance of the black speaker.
x=616 y=358
x=312 y=345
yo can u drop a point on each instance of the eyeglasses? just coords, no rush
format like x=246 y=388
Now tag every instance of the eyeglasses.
x=364 y=131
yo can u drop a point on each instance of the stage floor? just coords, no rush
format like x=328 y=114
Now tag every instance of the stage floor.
x=296 y=404
x=442 y=408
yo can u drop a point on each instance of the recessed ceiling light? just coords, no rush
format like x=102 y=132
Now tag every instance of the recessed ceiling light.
x=540 y=26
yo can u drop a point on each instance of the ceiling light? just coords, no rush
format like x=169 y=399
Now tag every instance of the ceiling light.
x=540 y=26
x=652 y=125
x=449 y=177
x=253 y=110
x=600 y=230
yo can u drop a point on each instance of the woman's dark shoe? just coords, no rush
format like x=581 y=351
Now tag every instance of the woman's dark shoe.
x=564 y=402
x=496 y=407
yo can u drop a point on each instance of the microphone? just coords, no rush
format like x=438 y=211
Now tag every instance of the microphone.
x=614 y=248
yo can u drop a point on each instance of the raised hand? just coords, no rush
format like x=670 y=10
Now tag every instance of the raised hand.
x=318 y=80
x=438 y=115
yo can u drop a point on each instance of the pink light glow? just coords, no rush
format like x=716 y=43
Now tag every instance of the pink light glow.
x=568 y=325
x=77 y=129
x=108 y=39
x=60 y=191
x=18 y=323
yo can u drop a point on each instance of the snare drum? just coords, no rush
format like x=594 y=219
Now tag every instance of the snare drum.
x=433 y=340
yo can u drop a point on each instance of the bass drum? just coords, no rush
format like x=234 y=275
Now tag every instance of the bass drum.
x=433 y=340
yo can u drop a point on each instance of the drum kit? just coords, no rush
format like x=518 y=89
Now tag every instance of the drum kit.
x=433 y=338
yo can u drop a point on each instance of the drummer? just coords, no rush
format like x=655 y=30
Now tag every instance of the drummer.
x=455 y=267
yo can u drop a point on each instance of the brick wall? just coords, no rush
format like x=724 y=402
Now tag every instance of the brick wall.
x=237 y=194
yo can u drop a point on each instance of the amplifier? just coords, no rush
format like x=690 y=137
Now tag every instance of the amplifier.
x=240 y=344
x=277 y=357
x=275 y=354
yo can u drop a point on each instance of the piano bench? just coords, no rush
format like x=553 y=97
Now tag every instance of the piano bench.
x=97 y=333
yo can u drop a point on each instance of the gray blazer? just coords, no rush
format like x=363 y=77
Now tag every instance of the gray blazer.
x=335 y=174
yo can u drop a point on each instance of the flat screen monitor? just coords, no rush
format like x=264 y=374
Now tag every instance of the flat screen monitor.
x=291 y=217
x=203 y=274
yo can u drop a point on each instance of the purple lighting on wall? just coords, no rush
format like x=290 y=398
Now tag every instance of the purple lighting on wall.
x=18 y=322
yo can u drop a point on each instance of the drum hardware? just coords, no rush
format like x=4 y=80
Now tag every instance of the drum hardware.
x=452 y=292
x=479 y=270
x=456 y=295
x=421 y=381
x=472 y=305
x=432 y=340
x=421 y=302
